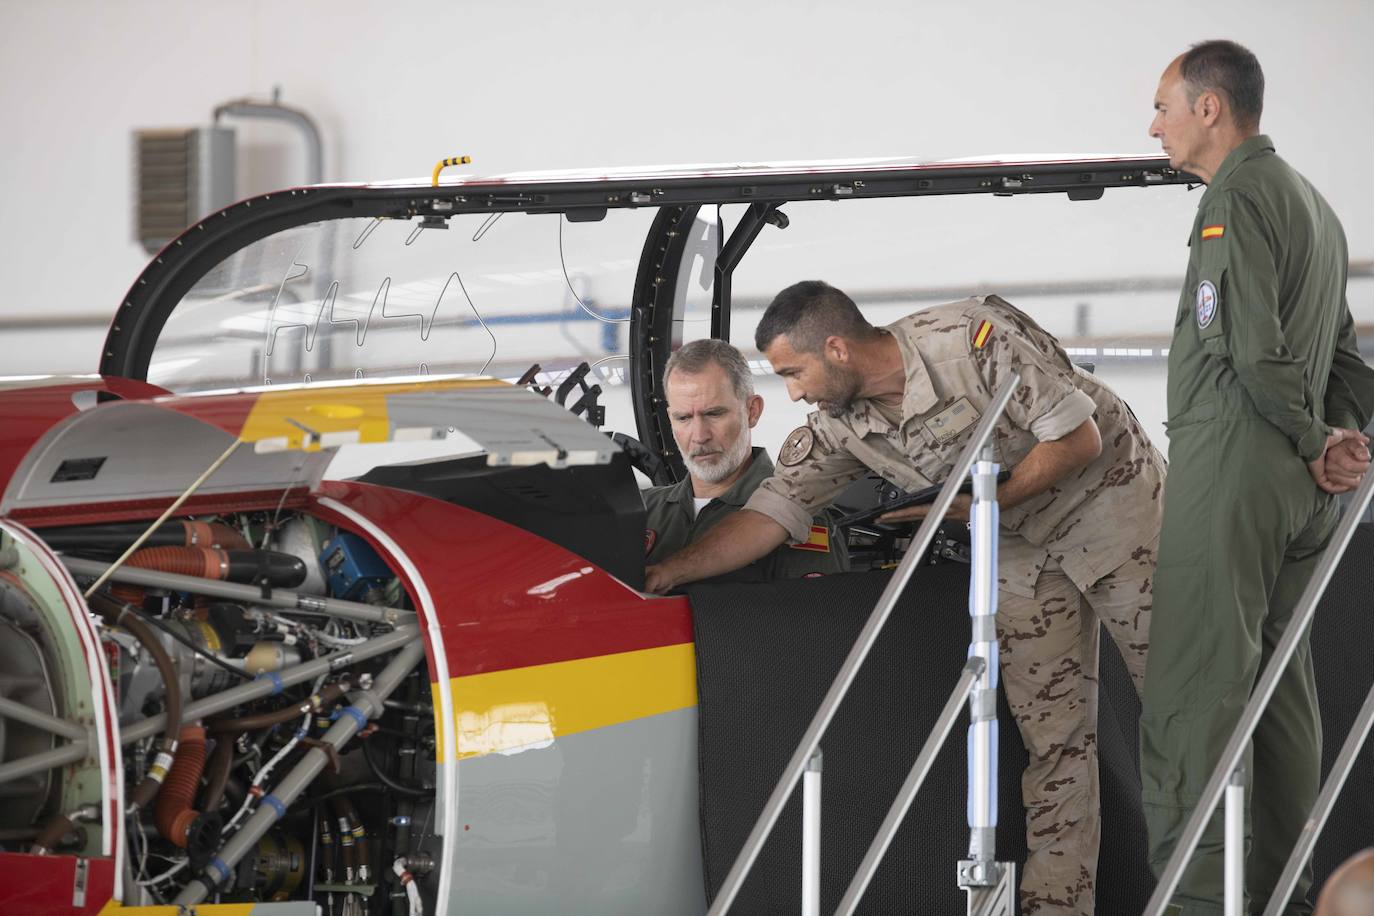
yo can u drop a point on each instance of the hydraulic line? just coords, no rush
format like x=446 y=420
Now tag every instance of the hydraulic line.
x=417 y=907
x=325 y=698
x=256 y=689
x=360 y=846
x=267 y=685
x=124 y=616
x=366 y=704
x=217 y=772
x=244 y=594
x=348 y=847
x=57 y=827
x=392 y=782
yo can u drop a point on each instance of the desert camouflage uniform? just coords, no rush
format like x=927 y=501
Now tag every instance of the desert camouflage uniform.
x=1079 y=553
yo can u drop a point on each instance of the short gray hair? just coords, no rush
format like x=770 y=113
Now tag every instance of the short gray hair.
x=1232 y=70
x=694 y=357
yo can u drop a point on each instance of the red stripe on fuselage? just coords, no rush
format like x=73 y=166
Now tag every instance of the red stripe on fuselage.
x=506 y=598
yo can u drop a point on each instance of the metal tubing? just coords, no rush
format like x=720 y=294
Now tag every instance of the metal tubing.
x=939 y=734
x=811 y=837
x=262 y=685
x=1233 y=871
x=982 y=608
x=1335 y=781
x=734 y=880
x=247 y=108
x=166 y=514
x=248 y=594
x=368 y=704
x=1259 y=699
x=11 y=709
x=41 y=763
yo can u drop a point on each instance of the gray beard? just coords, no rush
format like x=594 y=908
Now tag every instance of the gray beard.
x=734 y=456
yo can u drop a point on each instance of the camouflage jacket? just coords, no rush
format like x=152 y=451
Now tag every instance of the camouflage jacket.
x=956 y=357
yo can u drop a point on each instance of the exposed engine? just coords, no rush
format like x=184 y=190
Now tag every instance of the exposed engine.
x=277 y=719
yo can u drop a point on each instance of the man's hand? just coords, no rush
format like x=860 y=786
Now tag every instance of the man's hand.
x=1343 y=462
x=658 y=580
x=958 y=512
x=737 y=541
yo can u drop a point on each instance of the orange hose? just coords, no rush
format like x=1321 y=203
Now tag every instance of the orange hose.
x=214 y=534
x=173 y=813
x=202 y=562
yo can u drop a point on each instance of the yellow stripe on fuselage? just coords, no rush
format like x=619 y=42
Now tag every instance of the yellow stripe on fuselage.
x=199 y=909
x=527 y=707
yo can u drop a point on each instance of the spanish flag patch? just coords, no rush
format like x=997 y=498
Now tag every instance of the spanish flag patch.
x=818 y=540
x=1213 y=232
x=982 y=335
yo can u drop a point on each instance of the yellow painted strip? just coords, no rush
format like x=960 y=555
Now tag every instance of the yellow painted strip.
x=530 y=707
x=288 y=414
x=436 y=702
x=199 y=909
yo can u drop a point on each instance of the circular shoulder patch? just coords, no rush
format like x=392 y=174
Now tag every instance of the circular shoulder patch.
x=1206 y=303
x=797 y=446
x=650 y=539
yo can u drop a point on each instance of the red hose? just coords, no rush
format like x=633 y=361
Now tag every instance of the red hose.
x=173 y=813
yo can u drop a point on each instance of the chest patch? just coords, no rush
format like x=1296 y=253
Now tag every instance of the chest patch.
x=953 y=420
x=796 y=446
x=1206 y=303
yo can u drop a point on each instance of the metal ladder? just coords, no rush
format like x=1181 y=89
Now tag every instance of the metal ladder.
x=990 y=885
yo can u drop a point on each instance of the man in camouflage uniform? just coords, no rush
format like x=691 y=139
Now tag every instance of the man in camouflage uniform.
x=1267 y=394
x=1079 y=515
x=712 y=407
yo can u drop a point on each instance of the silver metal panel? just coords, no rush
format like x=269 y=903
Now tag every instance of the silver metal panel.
x=148 y=452
x=600 y=822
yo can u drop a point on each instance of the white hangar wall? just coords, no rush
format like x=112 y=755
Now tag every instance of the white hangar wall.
x=544 y=84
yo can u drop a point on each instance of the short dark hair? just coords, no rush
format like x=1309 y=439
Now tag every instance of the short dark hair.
x=1228 y=68
x=694 y=357
x=808 y=312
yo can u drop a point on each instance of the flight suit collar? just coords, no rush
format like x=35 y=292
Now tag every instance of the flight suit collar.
x=760 y=469
x=1257 y=145
x=918 y=396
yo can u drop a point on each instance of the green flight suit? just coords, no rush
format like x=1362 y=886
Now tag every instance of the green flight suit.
x=673 y=523
x=1263 y=362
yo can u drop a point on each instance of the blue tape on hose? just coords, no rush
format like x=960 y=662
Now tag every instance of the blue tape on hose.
x=217 y=864
x=277 y=685
x=275 y=804
x=358 y=715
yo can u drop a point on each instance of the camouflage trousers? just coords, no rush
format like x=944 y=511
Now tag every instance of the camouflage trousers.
x=1048 y=650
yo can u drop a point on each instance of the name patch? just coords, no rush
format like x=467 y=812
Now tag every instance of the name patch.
x=953 y=420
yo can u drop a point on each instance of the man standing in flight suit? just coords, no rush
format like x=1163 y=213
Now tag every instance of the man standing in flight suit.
x=712 y=407
x=1266 y=397
x=1080 y=517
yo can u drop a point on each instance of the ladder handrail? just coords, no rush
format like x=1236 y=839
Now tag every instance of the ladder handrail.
x=734 y=879
x=935 y=742
x=1259 y=700
x=1331 y=789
